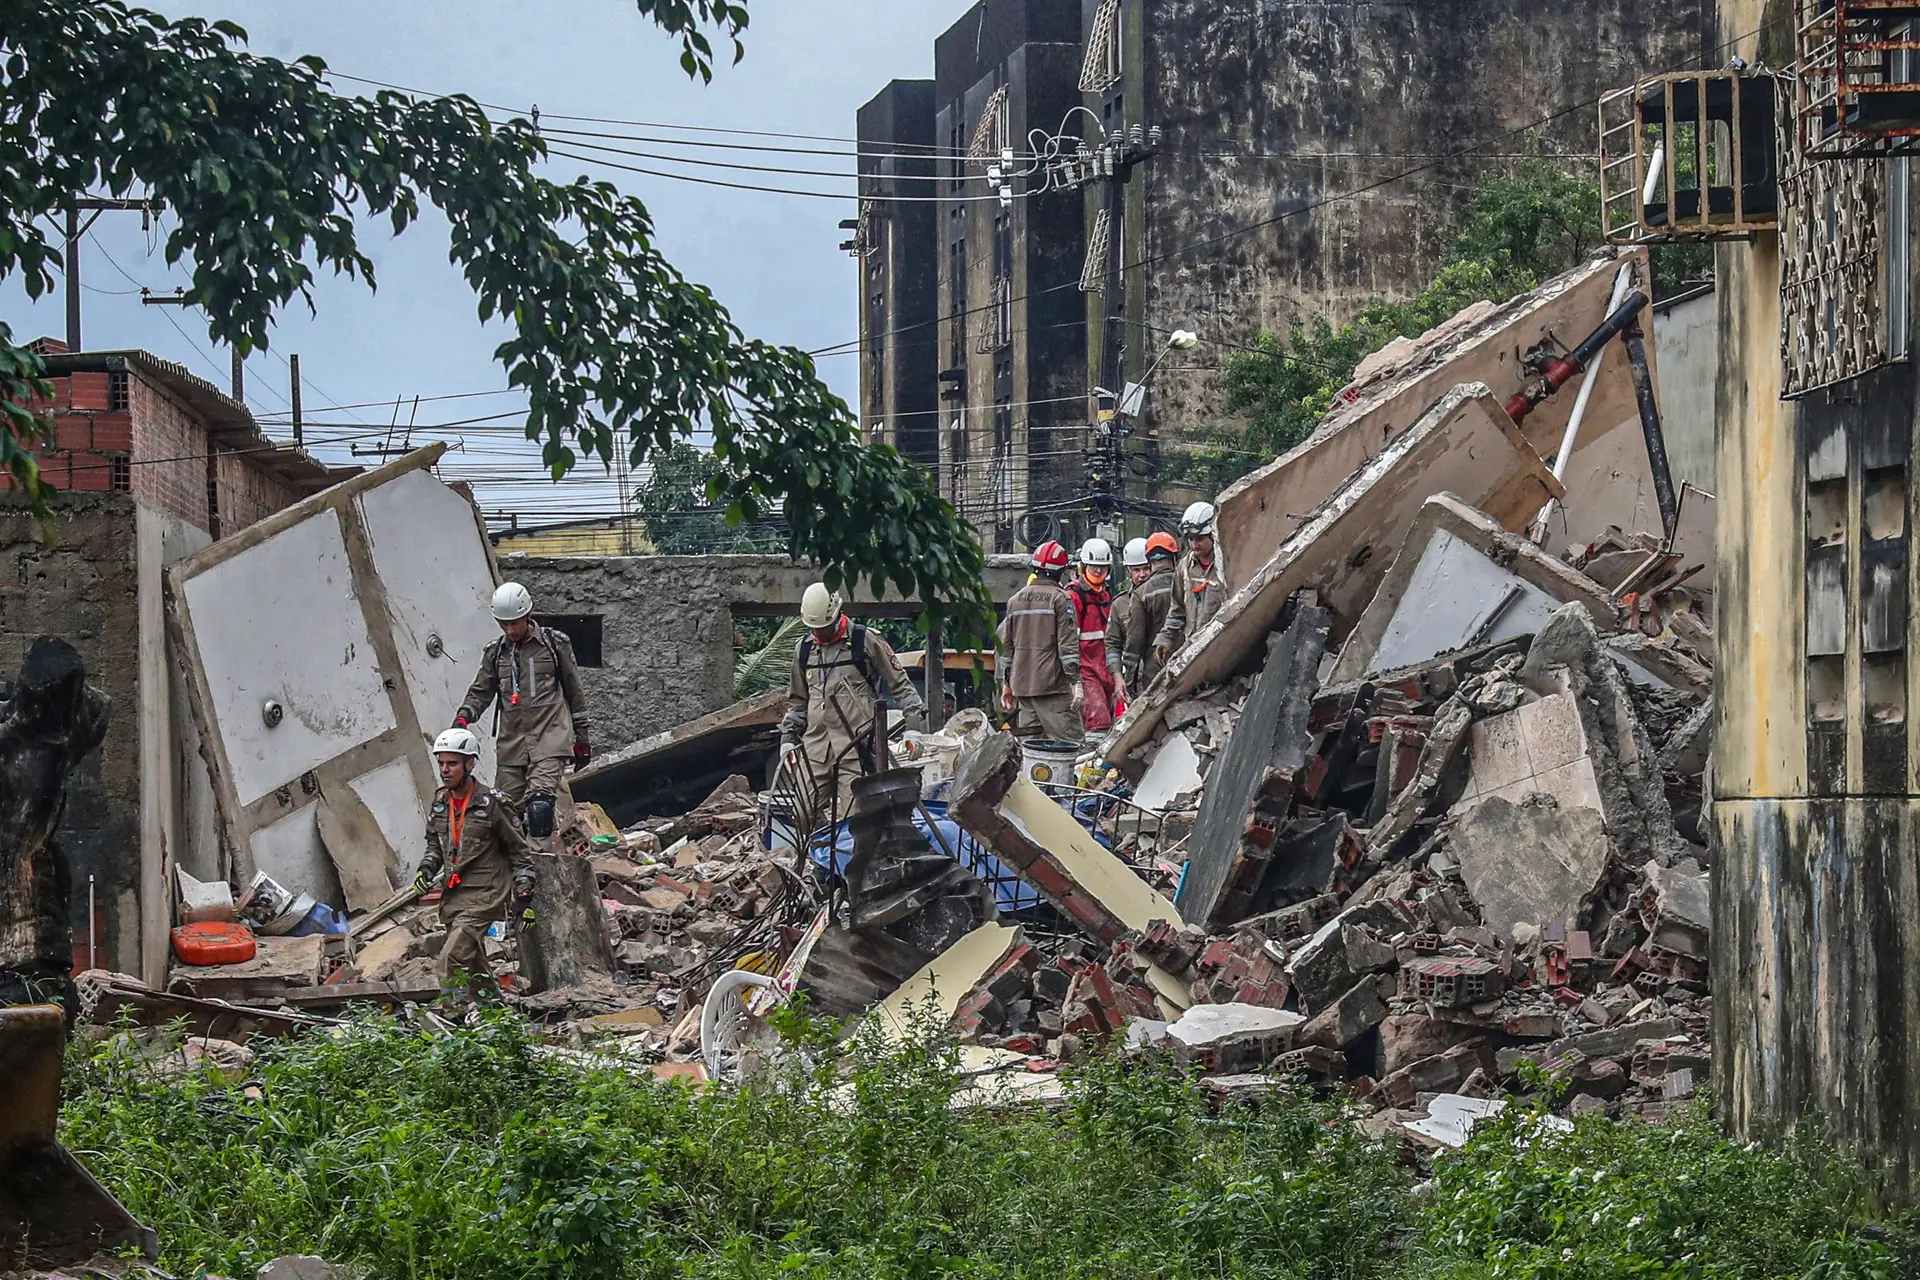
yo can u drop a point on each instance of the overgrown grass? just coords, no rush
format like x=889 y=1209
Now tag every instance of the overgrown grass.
x=473 y=1155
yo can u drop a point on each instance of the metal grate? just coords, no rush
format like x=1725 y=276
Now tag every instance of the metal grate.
x=1832 y=317
x=996 y=318
x=989 y=136
x=1093 y=275
x=1856 y=92
x=1690 y=156
x=1102 y=68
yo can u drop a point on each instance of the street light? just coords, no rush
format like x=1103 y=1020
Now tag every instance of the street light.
x=1136 y=392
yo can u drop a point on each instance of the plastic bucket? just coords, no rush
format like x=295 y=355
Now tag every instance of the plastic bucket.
x=1048 y=760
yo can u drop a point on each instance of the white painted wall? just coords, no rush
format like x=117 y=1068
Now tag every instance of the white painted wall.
x=438 y=583
x=281 y=621
x=1686 y=340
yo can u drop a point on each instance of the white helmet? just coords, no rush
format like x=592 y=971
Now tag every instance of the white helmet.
x=819 y=607
x=511 y=602
x=1198 y=519
x=1095 y=551
x=457 y=742
x=1136 y=553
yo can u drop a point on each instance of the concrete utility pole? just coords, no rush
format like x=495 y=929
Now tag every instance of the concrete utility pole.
x=1106 y=462
x=293 y=400
x=76 y=229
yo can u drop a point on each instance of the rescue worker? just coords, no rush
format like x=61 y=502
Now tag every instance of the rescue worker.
x=1039 y=654
x=1092 y=607
x=838 y=673
x=474 y=840
x=1142 y=612
x=1199 y=583
x=541 y=722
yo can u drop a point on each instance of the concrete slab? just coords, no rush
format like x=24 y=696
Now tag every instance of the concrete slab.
x=1530 y=863
x=1464 y=444
x=995 y=800
x=945 y=980
x=1271 y=733
x=1175 y=771
x=1607 y=481
x=682 y=763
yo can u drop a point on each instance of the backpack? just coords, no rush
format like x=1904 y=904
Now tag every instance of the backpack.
x=858 y=636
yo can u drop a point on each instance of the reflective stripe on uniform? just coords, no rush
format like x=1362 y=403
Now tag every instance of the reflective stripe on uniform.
x=1029 y=613
x=1093 y=635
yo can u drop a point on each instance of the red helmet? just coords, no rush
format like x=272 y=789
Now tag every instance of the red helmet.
x=1050 y=555
x=1162 y=544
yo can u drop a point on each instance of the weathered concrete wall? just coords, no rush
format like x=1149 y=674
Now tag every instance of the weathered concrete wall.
x=84 y=590
x=1289 y=115
x=1816 y=770
x=667 y=625
x=1686 y=341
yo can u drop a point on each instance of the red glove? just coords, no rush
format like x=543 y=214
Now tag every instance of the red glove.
x=582 y=756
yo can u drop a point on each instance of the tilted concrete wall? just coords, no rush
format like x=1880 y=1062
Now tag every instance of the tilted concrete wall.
x=667 y=625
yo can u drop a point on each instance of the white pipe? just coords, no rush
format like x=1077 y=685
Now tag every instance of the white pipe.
x=1587 y=384
x=1651 y=186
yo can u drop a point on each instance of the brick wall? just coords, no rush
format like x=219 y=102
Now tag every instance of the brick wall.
x=170 y=454
x=248 y=494
x=120 y=434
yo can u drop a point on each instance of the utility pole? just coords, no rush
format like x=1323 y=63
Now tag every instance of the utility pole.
x=239 y=377
x=293 y=399
x=1107 y=462
x=75 y=229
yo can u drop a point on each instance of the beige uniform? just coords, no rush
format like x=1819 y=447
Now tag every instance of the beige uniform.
x=1039 y=661
x=489 y=855
x=830 y=706
x=1198 y=592
x=1137 y=619
x=543 y=711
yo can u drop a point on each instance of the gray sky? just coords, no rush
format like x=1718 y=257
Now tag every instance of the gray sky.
x=773 y=260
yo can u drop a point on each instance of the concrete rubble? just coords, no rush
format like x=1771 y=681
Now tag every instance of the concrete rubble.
x=1416 y=817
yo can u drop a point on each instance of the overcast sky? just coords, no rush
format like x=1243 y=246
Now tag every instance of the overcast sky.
x=772 y=259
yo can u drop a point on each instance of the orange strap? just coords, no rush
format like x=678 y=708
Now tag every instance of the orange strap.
x=456 y=820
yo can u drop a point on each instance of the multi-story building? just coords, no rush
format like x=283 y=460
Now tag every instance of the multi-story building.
x=893 y=245
x=1309 y=158
x=1313 y=157
x=1012 y=342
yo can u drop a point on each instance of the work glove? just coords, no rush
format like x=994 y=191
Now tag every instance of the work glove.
x=582 y=755
x=460 y=721
x=524 y=904
x=423 y=882
x=1078 y=698
x=1160 y=652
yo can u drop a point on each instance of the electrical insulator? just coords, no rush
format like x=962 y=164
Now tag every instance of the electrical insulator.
x=1139 y=135
x=1153 y=136
x=1006 y=157
x=993 y=174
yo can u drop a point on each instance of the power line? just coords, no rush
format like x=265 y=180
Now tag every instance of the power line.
x=745 y=186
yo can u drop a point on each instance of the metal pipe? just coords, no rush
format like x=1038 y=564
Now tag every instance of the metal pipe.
x=73 y=277
x=92 y=926
x=1650 y=428
x=1579 y=414
x=1561 y=371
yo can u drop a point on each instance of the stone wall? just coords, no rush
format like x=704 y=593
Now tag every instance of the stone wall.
x=84 y=589
x=667 y=625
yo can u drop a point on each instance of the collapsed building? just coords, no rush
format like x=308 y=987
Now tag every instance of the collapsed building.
x=1418 y=811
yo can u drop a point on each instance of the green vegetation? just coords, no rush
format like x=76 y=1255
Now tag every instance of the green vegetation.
x=1515 y=232
x=267 y=176
x=471 y=1155
x=681 y=503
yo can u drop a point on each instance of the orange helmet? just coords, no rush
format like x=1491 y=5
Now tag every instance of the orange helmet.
x=1162 y=544
x=1050 y=556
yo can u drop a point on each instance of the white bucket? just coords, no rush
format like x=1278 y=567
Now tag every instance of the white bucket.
x=1048 y=760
